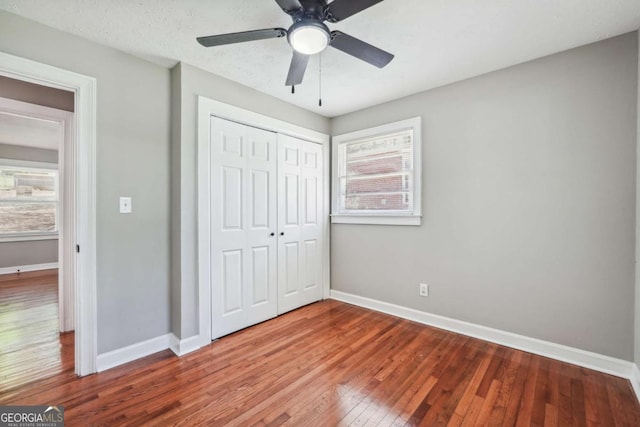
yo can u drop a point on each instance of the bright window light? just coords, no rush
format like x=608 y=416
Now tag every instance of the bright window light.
x=28 y=200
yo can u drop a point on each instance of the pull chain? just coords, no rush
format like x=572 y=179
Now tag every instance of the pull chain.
x=320 y=80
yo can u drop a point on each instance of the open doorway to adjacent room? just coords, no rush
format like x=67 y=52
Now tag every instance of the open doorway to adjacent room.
x=37 y=231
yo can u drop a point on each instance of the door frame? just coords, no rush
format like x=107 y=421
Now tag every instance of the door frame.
x=64 y=119
x=83 y=146
x=206 y=109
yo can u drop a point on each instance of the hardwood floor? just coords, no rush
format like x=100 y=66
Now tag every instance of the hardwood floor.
x=30 y=343
x=333 y=364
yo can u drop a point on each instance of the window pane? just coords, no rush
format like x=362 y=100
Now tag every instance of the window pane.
x=27 y=217
x=23 y=184
x=377 y=173
x=381 y=201
x=28 y=200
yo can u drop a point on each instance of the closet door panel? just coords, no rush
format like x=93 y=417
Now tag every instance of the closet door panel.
x=232 y=266
x=243 y=216
x=300 y=239
x=261 y=272
x=262 y=295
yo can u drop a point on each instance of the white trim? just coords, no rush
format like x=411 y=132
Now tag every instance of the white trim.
x=250 y=118
x=132 y=352
x=25 y=268
x=85 y=171
x=136 y=351
x=377 y=220
x=326 y=283
x=187 y=345
x=8 y=238
x=26 y=163
x=635 y=377
x=207 y=108
x=382 y=218
x=587 y=359
x=635 y=380
x=66 y=226
x=83 y=265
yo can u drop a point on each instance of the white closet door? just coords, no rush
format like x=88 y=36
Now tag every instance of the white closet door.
x=243 y=226
x=299 y=223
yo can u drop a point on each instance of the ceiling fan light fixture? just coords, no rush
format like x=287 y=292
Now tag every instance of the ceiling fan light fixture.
x=309 y=37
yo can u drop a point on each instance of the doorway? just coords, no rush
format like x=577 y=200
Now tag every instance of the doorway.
x=83 y=244
x=36 y=161
x=36 y=226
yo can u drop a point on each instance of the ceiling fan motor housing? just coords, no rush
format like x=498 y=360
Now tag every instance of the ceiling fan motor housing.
x=311 y=9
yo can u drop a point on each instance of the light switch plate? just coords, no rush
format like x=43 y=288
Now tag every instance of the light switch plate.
x=125 y=205
x=424 y=290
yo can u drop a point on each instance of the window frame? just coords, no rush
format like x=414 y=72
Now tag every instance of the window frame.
x=34 y=235
x=374 y=216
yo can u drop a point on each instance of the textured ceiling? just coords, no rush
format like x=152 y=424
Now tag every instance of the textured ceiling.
x=29 y=132
x=435 y=41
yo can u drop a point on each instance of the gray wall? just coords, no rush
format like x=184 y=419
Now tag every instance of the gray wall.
x=194 y=82
x=36 y=94
x=528 y=202
x=176 y=130
x=132 y=160
x=17 y=152
x=15 y=254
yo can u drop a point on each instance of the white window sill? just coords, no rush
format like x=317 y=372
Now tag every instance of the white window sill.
x=27 y=237
x=377 y=219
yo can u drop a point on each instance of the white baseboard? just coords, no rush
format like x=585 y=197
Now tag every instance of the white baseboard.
x=25 y=268
x=187 y=345
x=635 y=380
x=130 y=353
x=595 y=361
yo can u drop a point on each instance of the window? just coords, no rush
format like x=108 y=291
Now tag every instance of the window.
x=28 y=200
x=377 y=175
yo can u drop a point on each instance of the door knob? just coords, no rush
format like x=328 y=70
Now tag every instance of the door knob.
x=272 y=234
x=282 y=233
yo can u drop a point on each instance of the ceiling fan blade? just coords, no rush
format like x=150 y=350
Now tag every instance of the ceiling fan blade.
x=360 y=49
x=289 y=5
x=297 y=68
x=338 y=10
x=245 y=36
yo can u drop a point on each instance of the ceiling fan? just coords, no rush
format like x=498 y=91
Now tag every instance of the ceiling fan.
x=309 y=35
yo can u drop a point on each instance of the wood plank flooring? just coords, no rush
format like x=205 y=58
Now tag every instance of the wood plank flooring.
x=30 y=345
x=328 y=364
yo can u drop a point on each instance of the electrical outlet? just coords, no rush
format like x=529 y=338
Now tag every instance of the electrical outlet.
x=424 y=290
